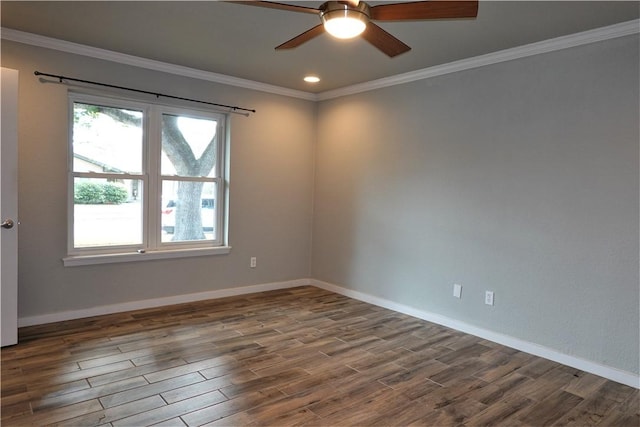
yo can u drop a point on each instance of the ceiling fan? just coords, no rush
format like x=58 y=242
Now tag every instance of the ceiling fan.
x=347 y=19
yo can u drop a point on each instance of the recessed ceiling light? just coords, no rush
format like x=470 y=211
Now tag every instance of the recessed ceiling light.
x=312 y=79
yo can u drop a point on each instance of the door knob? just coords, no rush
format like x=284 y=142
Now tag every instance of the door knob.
x=7 y=223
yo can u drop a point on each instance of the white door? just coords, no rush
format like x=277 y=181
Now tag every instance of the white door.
x=9 y=207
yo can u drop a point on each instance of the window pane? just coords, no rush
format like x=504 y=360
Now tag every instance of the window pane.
x=188 y=211
x=106 y=139
x=188 y=146
x=107 y=213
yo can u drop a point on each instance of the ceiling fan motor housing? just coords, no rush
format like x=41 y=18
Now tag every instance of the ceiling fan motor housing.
x=339 y=11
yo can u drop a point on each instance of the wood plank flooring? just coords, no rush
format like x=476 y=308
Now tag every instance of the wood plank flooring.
x=301 y=356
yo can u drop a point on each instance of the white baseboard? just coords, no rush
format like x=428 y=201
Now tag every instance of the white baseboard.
x=614 y=374
x=157 y=302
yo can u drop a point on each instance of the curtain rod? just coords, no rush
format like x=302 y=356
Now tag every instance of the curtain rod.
x=157 y=95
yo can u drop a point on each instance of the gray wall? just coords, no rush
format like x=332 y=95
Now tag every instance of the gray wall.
x=520 y=177
x=271 y=191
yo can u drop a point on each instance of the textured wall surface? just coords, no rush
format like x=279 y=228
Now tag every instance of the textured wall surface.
x=520 y=178
x=270 y=191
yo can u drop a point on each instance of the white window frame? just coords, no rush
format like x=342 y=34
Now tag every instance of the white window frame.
x=152 y=246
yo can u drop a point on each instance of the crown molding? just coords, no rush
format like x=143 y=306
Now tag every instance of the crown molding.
x=551 y=45
x=122 y=58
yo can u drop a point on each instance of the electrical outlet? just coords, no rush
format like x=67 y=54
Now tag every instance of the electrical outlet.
x=488 y=297
x=253 y=262
x=457 y=290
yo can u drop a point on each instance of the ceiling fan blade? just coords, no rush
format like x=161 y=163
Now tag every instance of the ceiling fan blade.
x=281 y=6
x=302 y=38
x=425 y=10
x=384 y=41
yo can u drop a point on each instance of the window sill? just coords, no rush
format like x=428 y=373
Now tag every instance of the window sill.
x=79 y=260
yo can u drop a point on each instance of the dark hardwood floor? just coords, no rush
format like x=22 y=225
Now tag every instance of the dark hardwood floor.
x=300 y=356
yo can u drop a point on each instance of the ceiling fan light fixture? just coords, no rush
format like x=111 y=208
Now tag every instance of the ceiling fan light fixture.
x=344 y=21
x=344 y=27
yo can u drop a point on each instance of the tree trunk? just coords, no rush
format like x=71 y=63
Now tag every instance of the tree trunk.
x=188 y=225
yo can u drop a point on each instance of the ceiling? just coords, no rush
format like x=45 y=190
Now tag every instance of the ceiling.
x=239 y=40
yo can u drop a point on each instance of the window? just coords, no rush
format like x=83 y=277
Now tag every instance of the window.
x=144 y=179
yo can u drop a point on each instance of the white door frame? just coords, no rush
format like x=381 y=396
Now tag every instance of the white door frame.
x=9 y=207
